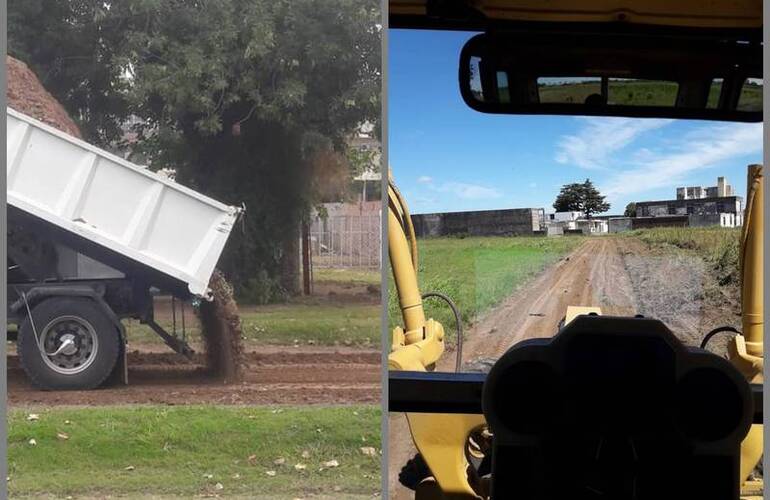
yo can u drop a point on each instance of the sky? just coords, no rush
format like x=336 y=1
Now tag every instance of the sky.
x=446 y=157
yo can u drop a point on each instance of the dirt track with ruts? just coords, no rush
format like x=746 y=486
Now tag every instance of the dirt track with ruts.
x=274 y=375
x=619 y=274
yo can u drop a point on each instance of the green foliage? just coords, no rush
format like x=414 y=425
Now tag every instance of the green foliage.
x=630 y=210
x=241 y=97
x=580 y=197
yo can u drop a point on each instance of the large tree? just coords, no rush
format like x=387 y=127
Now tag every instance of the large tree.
x=247 y=99
x=581 y=197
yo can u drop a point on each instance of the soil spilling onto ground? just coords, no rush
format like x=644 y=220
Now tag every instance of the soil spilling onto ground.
x=27 y=95
x=221 y=328
x=277 y=375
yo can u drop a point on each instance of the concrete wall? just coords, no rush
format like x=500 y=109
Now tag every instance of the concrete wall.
x=620 y=225
x=671 y=221
x=508 y=222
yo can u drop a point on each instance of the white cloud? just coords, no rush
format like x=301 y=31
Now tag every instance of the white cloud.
x=424 y=179
x=467 y=191
x=704 y=147
x=599 y=138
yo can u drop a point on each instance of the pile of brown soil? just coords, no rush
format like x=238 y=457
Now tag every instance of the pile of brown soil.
x=27 y=95
x=221 y=328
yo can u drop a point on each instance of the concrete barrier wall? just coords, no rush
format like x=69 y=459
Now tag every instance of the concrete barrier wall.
x=619 y=225
x=508 y=222
x=669 y=221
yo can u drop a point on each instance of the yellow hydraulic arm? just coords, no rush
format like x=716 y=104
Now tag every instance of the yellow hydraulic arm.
x=441 y=439
x=745 y=350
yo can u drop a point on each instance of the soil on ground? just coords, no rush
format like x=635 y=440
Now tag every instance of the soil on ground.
x=272 y=375
x=26 y=94
x=623 y=276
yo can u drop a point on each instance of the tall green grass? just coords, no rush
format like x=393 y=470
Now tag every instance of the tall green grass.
x=478 y=272
x=718 y=246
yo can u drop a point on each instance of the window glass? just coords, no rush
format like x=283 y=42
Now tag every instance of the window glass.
x=635 y=92
x=751 y=95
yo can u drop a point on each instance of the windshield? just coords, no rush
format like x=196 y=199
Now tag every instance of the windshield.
x=520 y=217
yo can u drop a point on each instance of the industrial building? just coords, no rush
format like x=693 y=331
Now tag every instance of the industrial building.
x=704 y=206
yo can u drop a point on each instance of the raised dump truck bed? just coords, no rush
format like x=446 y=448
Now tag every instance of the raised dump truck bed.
x=114 y=203
x=91 y=239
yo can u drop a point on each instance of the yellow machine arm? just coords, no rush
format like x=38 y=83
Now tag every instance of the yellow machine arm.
x=441 y=439
x=420 y=343
x=745 y=350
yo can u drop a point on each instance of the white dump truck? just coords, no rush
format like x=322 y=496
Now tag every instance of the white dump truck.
x=91 y=239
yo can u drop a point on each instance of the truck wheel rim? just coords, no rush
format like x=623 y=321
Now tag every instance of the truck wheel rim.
x=76 y=342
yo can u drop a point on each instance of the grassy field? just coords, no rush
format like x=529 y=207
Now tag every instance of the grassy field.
x=477 y=273
x=354 y=276
x=718 y=246
x=288 y=324
x=194 y=450
x=349 y=315
x=348 y=324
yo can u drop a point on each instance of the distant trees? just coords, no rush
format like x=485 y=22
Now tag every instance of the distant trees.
x=630 y=210
x=581 y=197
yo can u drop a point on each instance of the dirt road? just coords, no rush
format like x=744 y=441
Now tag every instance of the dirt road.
x=275 y=375
x=619 y=274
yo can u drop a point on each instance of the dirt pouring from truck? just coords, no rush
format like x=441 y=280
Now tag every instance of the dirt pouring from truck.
x=221 y=331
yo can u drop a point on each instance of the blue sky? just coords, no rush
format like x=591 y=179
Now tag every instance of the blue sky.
x=446 y=157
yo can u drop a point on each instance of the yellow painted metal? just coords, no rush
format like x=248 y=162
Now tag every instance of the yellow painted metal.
x=405 y=276
x=752 y=262
x=442 y=440
x=575 y=311
x=419 y=355
x=417 y=346
x=689 y=13
x=745 y=351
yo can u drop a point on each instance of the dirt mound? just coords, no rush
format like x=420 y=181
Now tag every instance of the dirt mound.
x=27 y=95
x=221 y=328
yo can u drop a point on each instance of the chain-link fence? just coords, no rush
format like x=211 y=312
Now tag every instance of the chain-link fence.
x=347 y=240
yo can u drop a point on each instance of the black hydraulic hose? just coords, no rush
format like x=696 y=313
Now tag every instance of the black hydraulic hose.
x=458 y=323
x=715 y=331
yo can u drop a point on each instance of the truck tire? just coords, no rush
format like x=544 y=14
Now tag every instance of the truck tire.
x=77 y=345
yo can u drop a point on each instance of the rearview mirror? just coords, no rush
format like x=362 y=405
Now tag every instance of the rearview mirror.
x=613 y=75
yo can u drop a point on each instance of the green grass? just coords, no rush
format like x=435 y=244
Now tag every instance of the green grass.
x=356 y=324
x=287 y=324
x=478 y=273
x=351 y=276
x=186 y=451
x=718 y=246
